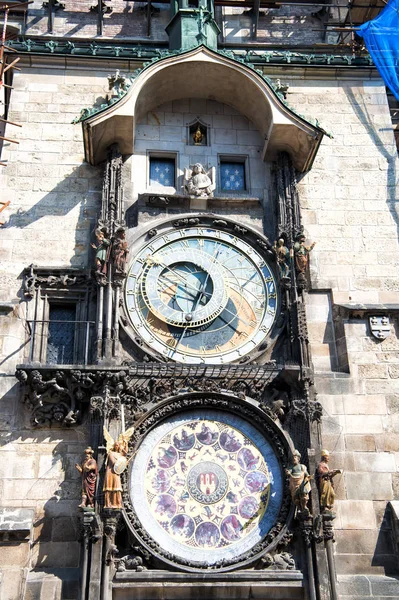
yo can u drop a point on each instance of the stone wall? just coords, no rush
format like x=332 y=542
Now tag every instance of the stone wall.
x=349 y=209
x=54 y=202
x=231 y=134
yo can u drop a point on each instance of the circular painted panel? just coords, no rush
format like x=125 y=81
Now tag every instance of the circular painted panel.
x=206 y=485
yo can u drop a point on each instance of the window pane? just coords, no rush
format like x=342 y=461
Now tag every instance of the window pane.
x=61 y=335
x=162 y=171
x=232 y=175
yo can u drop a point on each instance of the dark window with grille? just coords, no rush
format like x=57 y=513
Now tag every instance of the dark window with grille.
x=61 y=334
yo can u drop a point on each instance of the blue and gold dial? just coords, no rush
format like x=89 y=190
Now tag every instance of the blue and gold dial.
x=201 y=295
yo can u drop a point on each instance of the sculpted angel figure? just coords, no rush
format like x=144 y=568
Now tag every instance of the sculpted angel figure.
x=198 y=182
x=115 y=465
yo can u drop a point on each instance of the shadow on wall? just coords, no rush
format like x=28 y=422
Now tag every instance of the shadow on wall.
x=386 y=550
x=391 y=157
x=41 y=473
x=80 y=186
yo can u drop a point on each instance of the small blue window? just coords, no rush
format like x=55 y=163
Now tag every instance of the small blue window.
x=232 y=175
x=162 y=172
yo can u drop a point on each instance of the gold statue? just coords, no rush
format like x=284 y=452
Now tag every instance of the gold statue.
x=198 y=137
x=324 y=478
x=115 y=465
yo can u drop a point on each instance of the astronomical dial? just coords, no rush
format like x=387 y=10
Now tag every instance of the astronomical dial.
x=201 y=295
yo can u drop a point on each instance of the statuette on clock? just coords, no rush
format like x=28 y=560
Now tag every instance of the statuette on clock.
x=200 y=294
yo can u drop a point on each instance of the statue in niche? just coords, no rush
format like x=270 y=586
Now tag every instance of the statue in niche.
x=116 y=463
x=89 y=471
x=120 y=251
x=198 y=182
x=325 y=484
x=102 y=251
x=299 y=484
x=283 y=255
x=198 y=136
x=302 y=254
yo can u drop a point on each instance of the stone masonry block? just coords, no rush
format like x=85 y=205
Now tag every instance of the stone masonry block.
x=16 y=519
x=368 y=486
x=354 y=585
x=382 y=462
x=357 y=514
x=227 y=136
x=364 y=443
x=357 y=563
x=384 y=586
x=358 y=541
x=365 y=405
x=11 y=583
x=13 y=554
x=56 y=554
x=363 y=424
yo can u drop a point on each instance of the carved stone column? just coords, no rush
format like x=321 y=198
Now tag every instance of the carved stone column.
x=90 y=534
x=111 y=225
x=110 y=518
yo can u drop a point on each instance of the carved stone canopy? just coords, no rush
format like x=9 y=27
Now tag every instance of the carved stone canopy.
x=178 y=76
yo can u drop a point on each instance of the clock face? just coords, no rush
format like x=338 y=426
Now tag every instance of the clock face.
x=201 y=295
x=207 y=486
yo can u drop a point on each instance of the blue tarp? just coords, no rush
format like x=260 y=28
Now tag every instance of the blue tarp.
x=381 y=37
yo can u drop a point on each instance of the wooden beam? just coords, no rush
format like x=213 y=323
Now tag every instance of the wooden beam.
x=10 y=66
x=8 y=140
x=5 y=204
x=10 y=122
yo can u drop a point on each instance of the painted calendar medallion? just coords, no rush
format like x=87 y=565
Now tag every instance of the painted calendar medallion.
x=206 y=486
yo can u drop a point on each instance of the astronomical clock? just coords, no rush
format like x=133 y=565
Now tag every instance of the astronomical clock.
x=206 y=486
x=202 y=293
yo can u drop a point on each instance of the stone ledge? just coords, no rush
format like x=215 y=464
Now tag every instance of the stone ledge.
x=160 y=200
x=7 y=307
x=244 y=585
x=15 y=523
x=368 y=586
x=268 y=576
